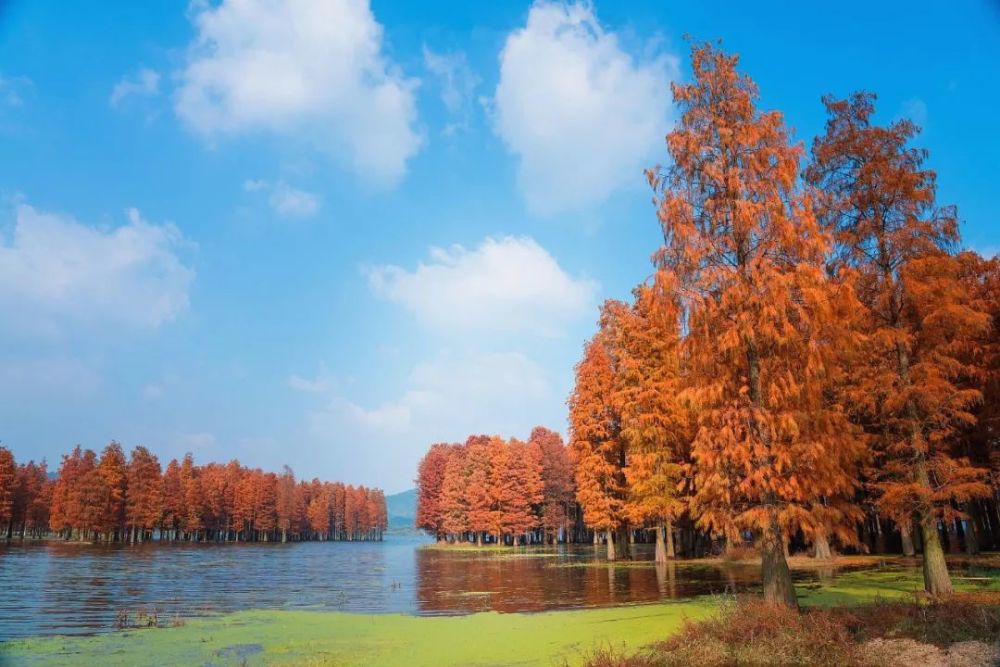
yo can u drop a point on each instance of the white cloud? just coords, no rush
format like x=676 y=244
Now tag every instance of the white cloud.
x=146 y=83
x=508 y=284
x=447 y=399
x=56 y=271
x=308 y=68
x=285 y=200
x=582 y=115
x=457 y=82
x=321 y=384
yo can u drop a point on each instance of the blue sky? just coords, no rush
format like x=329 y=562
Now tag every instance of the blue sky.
x=328 y=233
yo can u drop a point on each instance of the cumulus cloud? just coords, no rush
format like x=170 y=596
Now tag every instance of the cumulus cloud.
x=447 y=398
x=507 y=284
x=583 y=116
x=146 y=83
x=56 y=271
x=285 y=200
x=308 y=68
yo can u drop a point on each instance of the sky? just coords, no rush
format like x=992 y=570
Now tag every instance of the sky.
x=329 y=233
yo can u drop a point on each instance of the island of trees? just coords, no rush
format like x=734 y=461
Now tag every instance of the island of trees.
x=814 y=362
x=111 y=498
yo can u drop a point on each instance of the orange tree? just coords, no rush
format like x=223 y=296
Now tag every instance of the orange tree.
x=746 y=254
x=595 y=438
x=913 y=387
x=656 y=427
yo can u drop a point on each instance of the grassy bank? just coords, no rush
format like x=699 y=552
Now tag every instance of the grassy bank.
x=552 y=638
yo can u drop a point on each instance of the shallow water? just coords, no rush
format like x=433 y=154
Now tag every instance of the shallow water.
x=66 y=588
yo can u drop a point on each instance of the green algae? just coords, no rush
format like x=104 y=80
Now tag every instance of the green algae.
x=550 y=638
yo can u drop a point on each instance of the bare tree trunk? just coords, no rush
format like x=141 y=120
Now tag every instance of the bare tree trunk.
x=671 y=552
x=661 y=548
x=777 y=578
x=623 y=541
x=821 y=547
x=611 y=545
x=906 y=535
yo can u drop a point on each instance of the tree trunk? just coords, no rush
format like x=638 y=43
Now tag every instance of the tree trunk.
x=611 y=545
x=954 y=543
x=821 y=547
x=623 y=542
x=936 y=579
x=671 y=552
x=972 y=530
x=777 y=578
x=661 y=548
x=906 y=535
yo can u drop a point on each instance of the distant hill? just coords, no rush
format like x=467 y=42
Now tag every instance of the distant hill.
x=402 y=508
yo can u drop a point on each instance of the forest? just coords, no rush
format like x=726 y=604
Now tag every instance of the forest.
x=813 y=363
x=111 y=498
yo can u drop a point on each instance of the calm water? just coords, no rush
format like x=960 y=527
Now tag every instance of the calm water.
x=58 y=588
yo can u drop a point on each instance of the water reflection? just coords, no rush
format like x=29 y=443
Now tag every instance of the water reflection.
x=560 y=578
x=67 y=588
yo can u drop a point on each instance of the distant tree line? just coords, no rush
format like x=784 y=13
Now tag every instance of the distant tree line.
x=111 y=498
x=499 y=491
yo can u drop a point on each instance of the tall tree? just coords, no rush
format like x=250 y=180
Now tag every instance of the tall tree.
x=895 y=243
x=112 y=467
x=595 y=437
x=557 y=481
x=746 y=253
x=144 y=498
x=656 y=427
x=8 y=480
x=430 y=478
x=479 y=497
x=454 y=515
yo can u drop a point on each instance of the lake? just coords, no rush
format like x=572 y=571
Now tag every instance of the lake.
x=71 y=588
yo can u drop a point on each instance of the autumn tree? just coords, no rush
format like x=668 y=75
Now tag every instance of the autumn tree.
x=746 y=254
x=480 y=499
x=895 y=244
x=144 y=495
x=454 y=516
x=656 y=427
x=595 y=437
x=558 y=490
x=430 y=478
x=112 y=469
x=8 y=480
x=521 y=492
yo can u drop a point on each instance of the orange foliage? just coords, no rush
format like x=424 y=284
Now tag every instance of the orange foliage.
x=746 y=254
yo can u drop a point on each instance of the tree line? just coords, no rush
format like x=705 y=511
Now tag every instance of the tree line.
x=499 y=491
x=814 y=360
x=111 y=498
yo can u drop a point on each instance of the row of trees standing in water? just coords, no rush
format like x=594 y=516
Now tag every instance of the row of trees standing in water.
x=111 y=498
x=496 y=490
x=813 y=358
